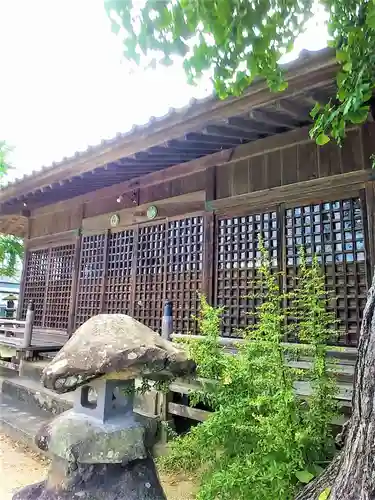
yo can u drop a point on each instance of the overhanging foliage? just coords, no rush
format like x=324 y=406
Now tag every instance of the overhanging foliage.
x=238 y=40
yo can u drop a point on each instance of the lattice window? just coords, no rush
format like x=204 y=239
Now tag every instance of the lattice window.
x=118 y=283
x=91 y=275
x=35 y=283
x=237 y=259
x=184 y=270
x=149 y=280
x=60 y=279
x=334 y=232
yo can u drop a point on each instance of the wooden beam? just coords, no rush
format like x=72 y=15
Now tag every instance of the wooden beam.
x=57 y=239
x=188 y=412
x=250 y=125
x=300 y=191
x=168 y=154
x=273 y=119
x=299 y=111
x=228 y=131
x=170 y=150
x=154 y=178
x=195 y=146
x=136 y=166
x=213 y=139
x=334 y=351
x=172 y=158
x=169 y=207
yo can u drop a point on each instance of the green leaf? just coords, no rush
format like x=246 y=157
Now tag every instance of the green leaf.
x=367 y=96
x=283 y=86
x=342 y=95
x=315 y=110
x=322 y=139
x=370 y=19
x=358 y=116
x=325 y=494
x=341 y=55
x=340 y=78
x=304 y=476
x=347 y=67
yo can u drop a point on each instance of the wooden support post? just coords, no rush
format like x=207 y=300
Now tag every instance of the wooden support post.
x=209 y=236
x=28 y=334
x=73 y=296
x=24 y=271
x=105 y=272
x=167 y=321
x=164 y=415
x=163 y=398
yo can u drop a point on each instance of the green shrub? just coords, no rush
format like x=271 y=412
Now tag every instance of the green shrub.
x=262 y=440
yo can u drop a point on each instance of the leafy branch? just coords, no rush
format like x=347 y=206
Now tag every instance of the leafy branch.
x=11 y=247
x=262 y=438
x=236 y=41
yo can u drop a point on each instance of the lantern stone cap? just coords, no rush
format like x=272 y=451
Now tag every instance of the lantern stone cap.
x=10 y=296
x=117 y=347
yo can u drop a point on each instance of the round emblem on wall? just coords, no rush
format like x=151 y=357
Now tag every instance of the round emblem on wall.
x=114 y=220
x=152 y=212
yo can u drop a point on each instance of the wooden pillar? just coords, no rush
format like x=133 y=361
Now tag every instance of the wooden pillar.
x=24 y=270
x=167 y=321
x=75 y=278
x=209 y=236
x=28 y=333
x=134 y=271
x=105 y=271
x=46 y=291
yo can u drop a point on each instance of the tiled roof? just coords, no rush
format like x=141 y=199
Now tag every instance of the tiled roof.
x=201 y=128
x=190 y=108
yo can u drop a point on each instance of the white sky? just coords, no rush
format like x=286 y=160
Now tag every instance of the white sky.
x=64 y=86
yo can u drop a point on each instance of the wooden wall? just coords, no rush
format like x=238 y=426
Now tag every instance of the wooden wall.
x=270 y=163
x=262 y=186
x=68 y=215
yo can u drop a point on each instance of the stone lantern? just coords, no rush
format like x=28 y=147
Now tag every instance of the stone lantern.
x=99 y=449
x=10 y=308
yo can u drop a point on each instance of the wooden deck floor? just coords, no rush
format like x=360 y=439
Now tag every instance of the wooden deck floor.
x=42 y=339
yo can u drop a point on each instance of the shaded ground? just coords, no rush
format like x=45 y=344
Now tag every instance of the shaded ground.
x=19 y=466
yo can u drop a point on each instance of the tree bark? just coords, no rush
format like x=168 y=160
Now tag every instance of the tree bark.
x=351 y=475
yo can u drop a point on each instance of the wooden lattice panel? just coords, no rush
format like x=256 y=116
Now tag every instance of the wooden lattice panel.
x=334 y=232
x=35 y=283
x=237 y=260
x=184 y=271
x=91 y=275
x=59 y=286
x=118 y=288
x=150 y=271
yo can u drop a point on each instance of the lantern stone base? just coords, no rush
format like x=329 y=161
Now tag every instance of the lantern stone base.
x=76 y=437
x=137 y=480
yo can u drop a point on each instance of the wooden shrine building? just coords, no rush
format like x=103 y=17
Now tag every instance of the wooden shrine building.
x=175 y=207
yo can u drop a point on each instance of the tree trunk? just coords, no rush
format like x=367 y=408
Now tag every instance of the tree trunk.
x=351 y=475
